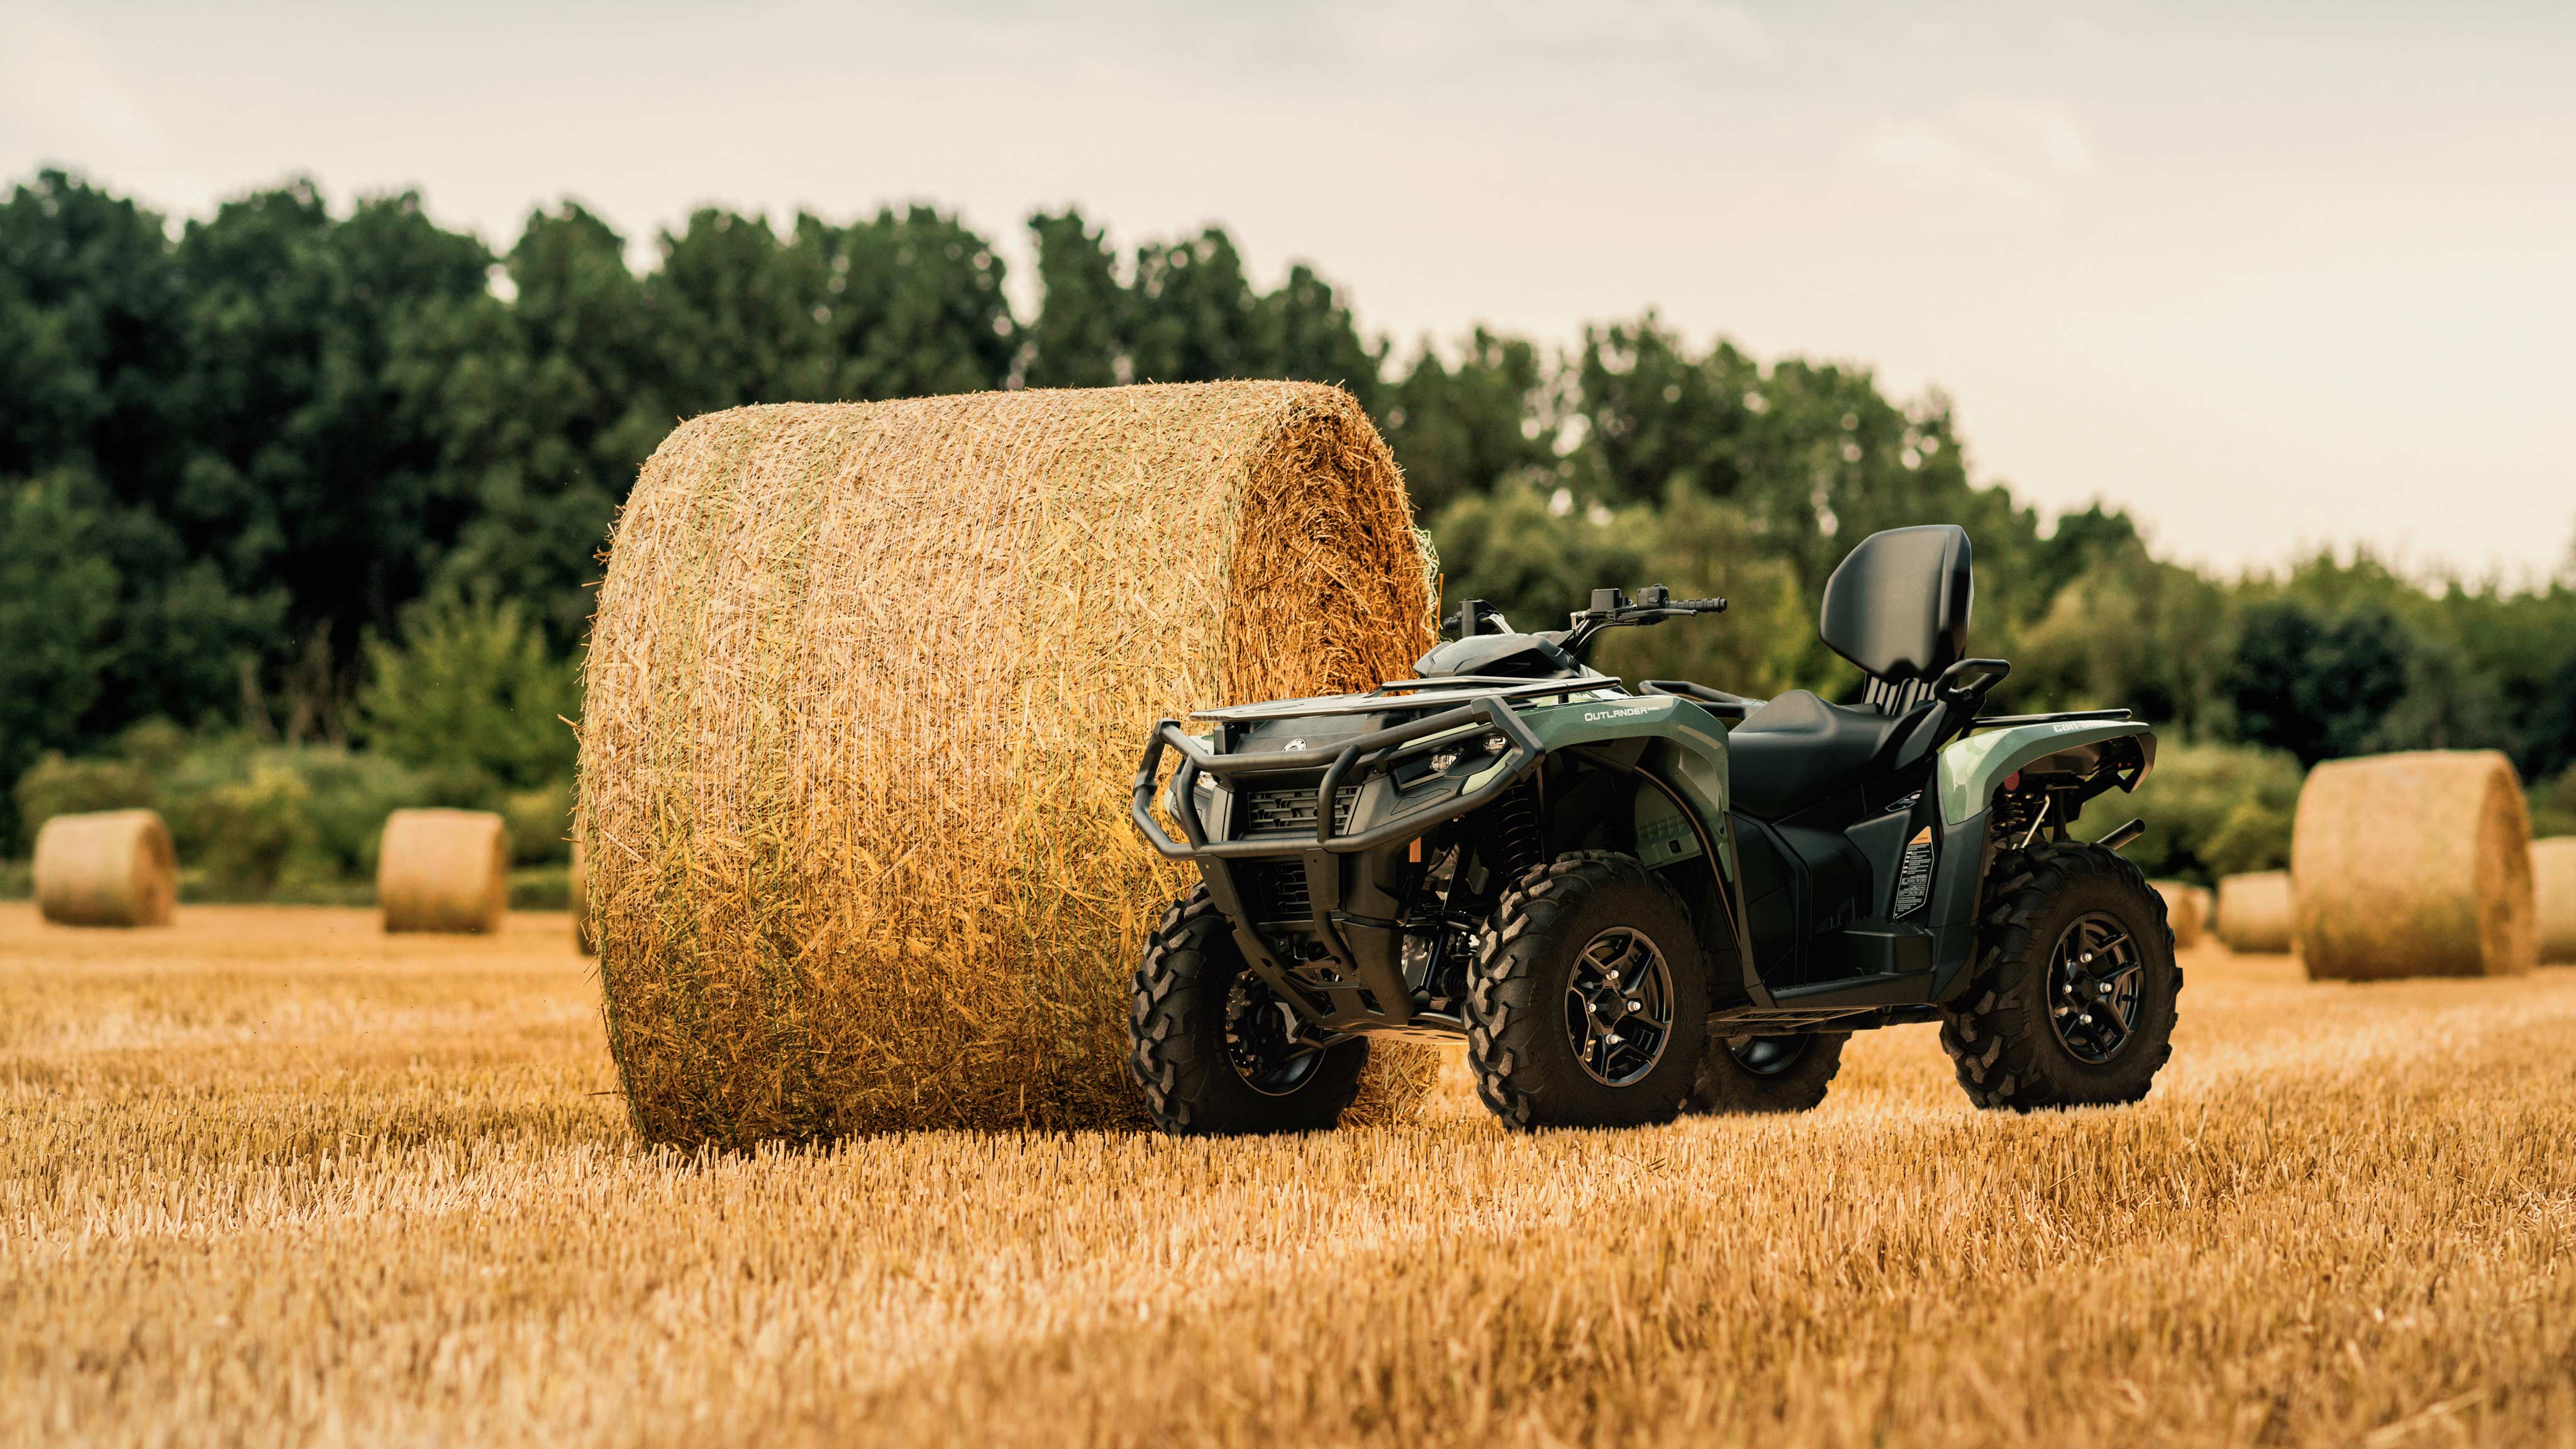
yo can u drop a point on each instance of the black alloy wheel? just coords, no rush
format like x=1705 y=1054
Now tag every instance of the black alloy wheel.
x=1214 y=1049
x=2074 y=936
x=1619 y=1006
x=1587 y=1003
x=2094 y=981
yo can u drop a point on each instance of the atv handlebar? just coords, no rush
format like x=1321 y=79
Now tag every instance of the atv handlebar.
x=1523 y=750
x=1612 y=609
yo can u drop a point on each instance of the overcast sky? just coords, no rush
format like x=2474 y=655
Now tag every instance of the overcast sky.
x=2268 y=276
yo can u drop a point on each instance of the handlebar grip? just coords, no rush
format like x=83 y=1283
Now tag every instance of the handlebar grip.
x=1701 y=606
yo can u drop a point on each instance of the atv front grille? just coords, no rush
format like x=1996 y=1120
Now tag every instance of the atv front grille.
x=1276 y=889
x=1292 y=811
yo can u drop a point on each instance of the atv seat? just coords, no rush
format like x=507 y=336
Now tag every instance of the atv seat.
x=1897 y=607
x=1798 y=749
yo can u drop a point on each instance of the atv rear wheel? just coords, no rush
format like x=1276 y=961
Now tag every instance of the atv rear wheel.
x=1587 y=1005
x=1216 y=1052
x=1768 y=1073
x=2073 y=1004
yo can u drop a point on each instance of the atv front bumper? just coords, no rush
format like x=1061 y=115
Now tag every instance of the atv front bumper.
x=1365 y=946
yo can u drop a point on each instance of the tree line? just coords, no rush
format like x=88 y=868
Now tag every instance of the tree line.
x=263 y=471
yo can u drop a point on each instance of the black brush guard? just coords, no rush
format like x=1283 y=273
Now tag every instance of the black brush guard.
x=1379 y=972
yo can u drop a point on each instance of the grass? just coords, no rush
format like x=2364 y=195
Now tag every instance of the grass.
x=272 y=1177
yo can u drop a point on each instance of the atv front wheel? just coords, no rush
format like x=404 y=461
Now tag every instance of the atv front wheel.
x=1587 y=1005
x=2074 y=999
x=1217 y=1053
x=1768 y=1073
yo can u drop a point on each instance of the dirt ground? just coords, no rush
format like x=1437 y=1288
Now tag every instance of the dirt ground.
x=271 y=1177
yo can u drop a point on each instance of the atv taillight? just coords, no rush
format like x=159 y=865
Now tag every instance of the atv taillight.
x=2012 y=781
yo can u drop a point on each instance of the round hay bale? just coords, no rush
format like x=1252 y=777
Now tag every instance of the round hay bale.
x=2553 y=884
x=577 y=891
x=107 y=868
x=444 y=870
x=2256 y=912
x=862 y=703
x=2416 y=864
x=2208 y=900
x=2182 y=911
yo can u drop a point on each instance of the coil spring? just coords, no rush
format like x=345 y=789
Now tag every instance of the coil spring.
x=1517 y=840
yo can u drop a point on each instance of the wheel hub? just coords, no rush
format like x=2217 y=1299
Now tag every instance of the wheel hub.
x=2095 y=980
x=1265 y=1042
x=1619 y=1006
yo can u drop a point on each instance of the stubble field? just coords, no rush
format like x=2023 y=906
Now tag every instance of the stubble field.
x=271 y=1177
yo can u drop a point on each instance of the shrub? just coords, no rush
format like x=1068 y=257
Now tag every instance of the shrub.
x=2553 y=804
x=540 y=824
x=2211 y=810
x=471 y=698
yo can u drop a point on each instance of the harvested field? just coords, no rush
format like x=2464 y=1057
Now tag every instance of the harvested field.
x=272 y=1176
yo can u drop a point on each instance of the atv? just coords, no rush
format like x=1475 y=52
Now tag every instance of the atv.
x=1633 y=903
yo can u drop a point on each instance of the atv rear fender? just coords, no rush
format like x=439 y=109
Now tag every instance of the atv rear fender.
x=2091 y=756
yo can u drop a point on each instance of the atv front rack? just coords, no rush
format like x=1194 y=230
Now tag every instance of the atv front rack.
x=1364 y=752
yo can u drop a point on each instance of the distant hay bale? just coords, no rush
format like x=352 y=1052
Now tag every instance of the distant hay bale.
x=2257 y=912
x=108 y=868
x=2553 y=882
x=2183 y=911
x=577 y=891
x=2414 y=864
x=863 y=698
x=444 y=870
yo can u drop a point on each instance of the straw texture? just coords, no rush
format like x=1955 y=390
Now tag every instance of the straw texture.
x=2414 y=864
x=863 y=697
x=108 y=868
x=2183 y=911
x=2257 y=912
x=2553 y=884
x=444 y=870
x=577 y=893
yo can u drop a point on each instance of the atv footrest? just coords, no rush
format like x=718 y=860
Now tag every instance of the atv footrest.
x=1890 y=990
x=1872 y=948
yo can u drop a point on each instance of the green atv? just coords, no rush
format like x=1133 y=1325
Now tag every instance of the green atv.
x=1629 y=904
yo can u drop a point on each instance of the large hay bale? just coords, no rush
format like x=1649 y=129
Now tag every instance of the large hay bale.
x=444 y=870
x=106 y=868
x=2553 y=888
x=577 y=892
x=864 y=694
x=2257 y=912
x=2182 y=911
x=2415 y=864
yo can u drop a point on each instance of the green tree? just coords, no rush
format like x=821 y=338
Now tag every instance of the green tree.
x=1461 y=430
x=546 y=407
x=58 y=596
x=2318 y=686
x=1529 y=554
x=472 y=697
x=1079 y=337
x=1763 y=644
x=305 y=462
x=906 y=305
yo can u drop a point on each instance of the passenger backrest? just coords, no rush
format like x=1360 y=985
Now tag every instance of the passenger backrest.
x=1898 y=607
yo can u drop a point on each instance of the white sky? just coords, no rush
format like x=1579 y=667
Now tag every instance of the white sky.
x=2265 y=275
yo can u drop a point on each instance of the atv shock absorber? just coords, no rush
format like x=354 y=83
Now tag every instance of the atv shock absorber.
x=1517 y=843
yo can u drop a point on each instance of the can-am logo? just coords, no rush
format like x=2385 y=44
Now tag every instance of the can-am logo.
x=1294 y=745
x=1596 y=716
